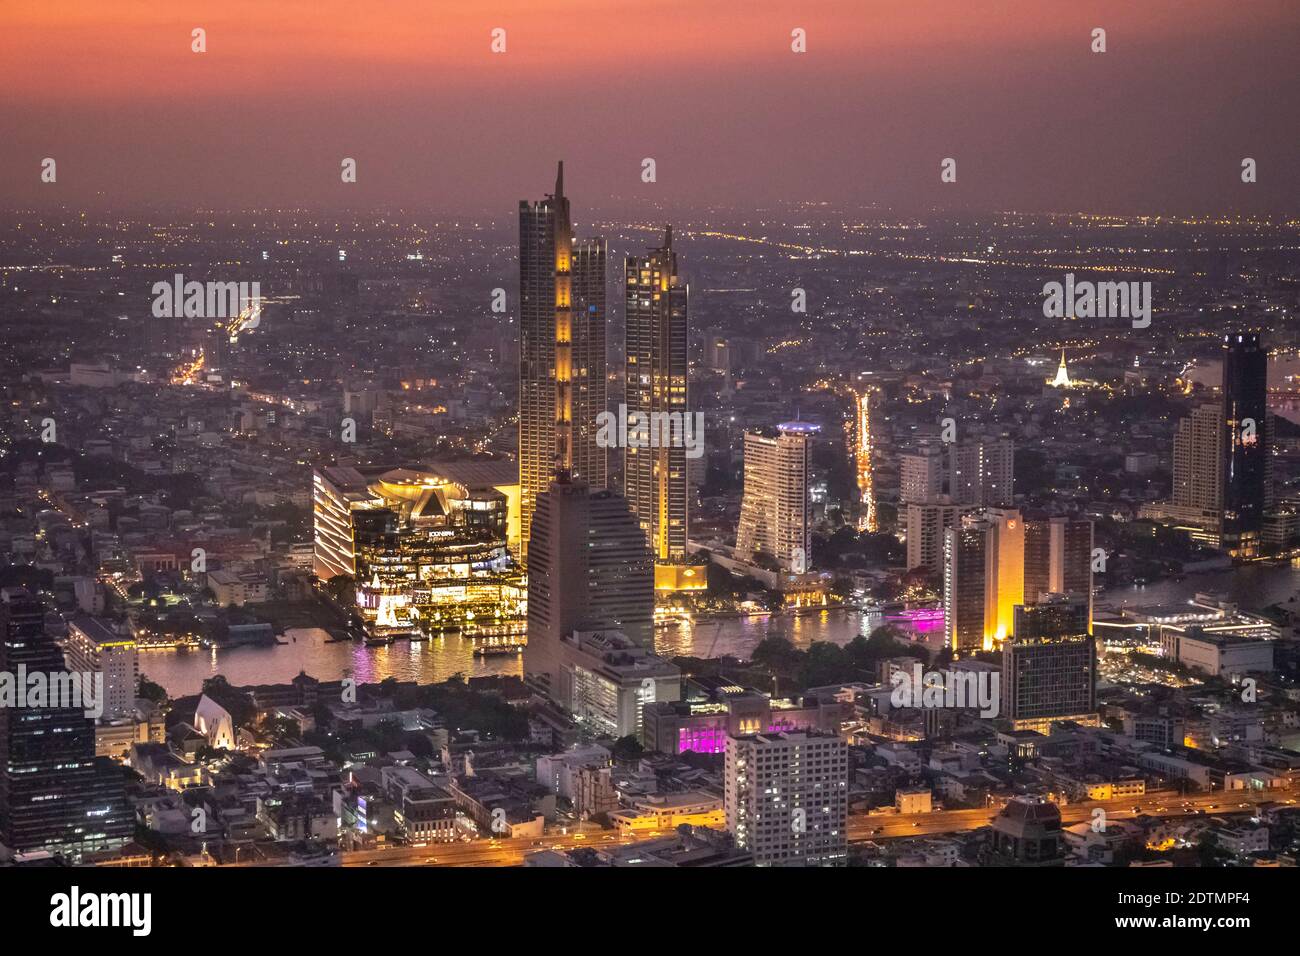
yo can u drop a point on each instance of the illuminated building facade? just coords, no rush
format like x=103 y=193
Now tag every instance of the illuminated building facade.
x=1222 y=464
x=996 y=561
x=561 y=353
x=1247 y=488
x=1049 y=669
x=964 y=593
x=775 y=512
x=927 y=523
x=786 y=798
x=94 y=646
x=1005 y=579
x=605 y=681
x=56 y=796
x=590 y=569
x=703 y=722
x=656 y=370
x=426 y=551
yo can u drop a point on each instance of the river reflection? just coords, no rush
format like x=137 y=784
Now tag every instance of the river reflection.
x=183 y=672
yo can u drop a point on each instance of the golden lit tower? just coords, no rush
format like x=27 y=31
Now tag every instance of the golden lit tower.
x=656 y=366
x=562 y=350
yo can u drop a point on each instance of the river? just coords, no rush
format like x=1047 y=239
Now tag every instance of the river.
x=183 y=671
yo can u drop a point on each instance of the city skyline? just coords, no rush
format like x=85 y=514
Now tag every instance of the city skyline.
x=575 y=436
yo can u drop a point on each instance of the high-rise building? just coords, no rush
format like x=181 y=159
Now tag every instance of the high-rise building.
x=775 y=512
x=927 y=522
x=94 y=646
x=1222 y=466
x=656 y=367
x=965 y=557
x=1004 y=582
x=590 y=570
x=561 y=353
x=981 y=471
x=921 y=475
x=56 y=796
x=786 y=798
x=994 y=561
x=1246 y=485
x=1049 y=669
x=1058 y=558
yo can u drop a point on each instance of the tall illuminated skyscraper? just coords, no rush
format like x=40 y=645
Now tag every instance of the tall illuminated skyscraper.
x=775 y=511
x=1222 y=464
x=656 y=367
x=1247 y=490
x=561 y=351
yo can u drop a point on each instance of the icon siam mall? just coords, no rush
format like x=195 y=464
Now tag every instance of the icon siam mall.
x=428 y=548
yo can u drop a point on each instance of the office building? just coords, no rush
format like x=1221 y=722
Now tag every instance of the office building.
x=1247 y=488
x=964 y=590
x=786 y=798
x=656 y=371
x=927 y=523
x=775 y=511
x=1049 y=668
x=590 y=570
x=56 y=796
x=1058 y=558
x=1222 y=465
x=93 y=646
x=605 y=681
x=561 y=352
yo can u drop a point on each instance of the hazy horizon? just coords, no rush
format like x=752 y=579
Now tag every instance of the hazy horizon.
x=1037 y=122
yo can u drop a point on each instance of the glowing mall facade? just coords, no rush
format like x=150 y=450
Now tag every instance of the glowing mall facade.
x=429 y=548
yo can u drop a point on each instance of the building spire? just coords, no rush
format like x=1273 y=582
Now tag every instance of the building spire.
x=668 y=236
x=559 y=181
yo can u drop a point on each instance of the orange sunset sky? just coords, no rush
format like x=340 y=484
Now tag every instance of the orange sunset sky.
x=711 y=90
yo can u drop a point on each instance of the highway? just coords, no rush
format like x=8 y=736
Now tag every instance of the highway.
x=862 y=827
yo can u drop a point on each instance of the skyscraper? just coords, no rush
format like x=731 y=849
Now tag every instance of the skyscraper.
x=1246 y=488
x=1058 y=558
x=974 y=471
x=1222 y=469
x=775 y=512
x=1049 y=669
x=995 y=561
x=965 y=552
x=927 y=522
x=981 y=471
x=656 y=366
x=55 y=795
x=561 y=353
x=786 y=798
x=589 y=569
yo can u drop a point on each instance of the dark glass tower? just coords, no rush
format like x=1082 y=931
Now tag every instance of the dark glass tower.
x=1245 y=464
x=54 y=794
x=561 y=351
x=589 y=568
